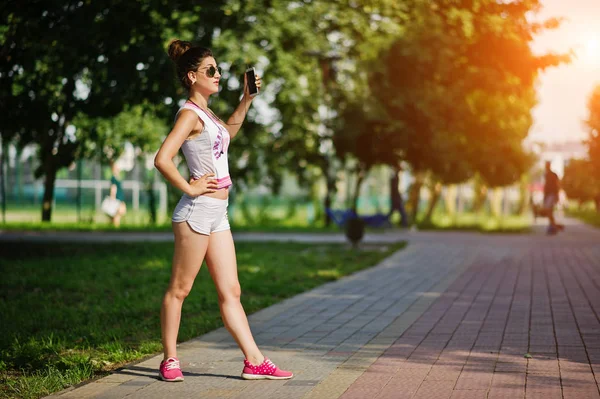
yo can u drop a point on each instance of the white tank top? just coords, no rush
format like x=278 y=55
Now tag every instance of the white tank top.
x=207 y=152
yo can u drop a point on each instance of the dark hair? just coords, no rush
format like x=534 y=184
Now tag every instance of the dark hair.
x=187 y=57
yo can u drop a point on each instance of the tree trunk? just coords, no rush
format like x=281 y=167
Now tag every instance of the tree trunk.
x=436 y=191
x=19 y=175
x=315 y=202
x=348 y=179
x=524 y=195
x=54 y=158
x=79 y=167
x=151 y=196
x=327 y=204
x=414 y=196
x=496 y=204
x=3 y=157
x=505 y=201
x=330 y=191
x=49 y=181
x=460 y=207
x=450 y=199
x=403 y=215
x=362 y=172
x=479 y=196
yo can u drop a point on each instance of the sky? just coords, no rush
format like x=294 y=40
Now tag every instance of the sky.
x=563 y=91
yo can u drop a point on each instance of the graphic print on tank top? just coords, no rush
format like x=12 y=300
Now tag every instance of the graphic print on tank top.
x=221 y=143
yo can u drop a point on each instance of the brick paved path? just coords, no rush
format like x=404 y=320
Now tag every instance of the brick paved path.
x=452 y=316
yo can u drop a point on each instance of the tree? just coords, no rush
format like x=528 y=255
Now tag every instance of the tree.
x=306 y=49
x=364 y=139
x=63 y=59
x=593 y=123
x=105 y=138
x=578 y=182
x=458 y=83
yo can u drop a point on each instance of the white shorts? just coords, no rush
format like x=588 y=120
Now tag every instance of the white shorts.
x=204 y=215
x=550 y=201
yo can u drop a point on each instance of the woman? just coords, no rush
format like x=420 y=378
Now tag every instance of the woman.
x=200 y=220
x=116 y=193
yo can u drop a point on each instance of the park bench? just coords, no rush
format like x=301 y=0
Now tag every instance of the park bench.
x=341 y=217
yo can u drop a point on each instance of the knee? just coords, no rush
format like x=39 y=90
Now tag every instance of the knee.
x=179 y=291
x=231 y=293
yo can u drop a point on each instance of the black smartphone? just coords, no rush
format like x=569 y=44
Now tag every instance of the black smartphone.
x=251 y=79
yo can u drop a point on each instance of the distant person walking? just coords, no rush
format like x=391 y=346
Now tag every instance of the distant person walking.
x=551 y=192
x=396 y=198
x=200 y=221
x=116 y=193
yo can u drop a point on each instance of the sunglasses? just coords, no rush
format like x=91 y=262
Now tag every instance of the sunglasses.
x=211 y=71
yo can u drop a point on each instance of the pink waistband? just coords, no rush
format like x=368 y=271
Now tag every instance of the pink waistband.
x=224 y=182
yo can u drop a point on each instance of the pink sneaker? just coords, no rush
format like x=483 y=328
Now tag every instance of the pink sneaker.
x=265 y=371
x=170 y=370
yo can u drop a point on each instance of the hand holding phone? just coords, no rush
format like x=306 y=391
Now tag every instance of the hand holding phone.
x=251 y=82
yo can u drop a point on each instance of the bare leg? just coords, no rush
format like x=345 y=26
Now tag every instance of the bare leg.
x=222 y=265
x=553 y=221
x=551 y=218
x=190 y=248
x=116 y=220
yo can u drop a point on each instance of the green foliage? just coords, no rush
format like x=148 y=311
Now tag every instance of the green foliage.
x=370 y=141
x=306 y=50
x=61 y=60
x=105 y=138
x=588 y=213
x=457 y=85
x=579 y=182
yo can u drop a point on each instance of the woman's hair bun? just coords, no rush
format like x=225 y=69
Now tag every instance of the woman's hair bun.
x=177 y=48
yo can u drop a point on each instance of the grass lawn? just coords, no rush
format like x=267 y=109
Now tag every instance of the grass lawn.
x=587 y=214
x=277 y=219
x=481 y=223
x=105 y=227
x=440 y=221
x=69 y=312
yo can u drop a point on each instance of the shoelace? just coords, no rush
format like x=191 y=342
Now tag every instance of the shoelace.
x=172 y=365
x=269 y=365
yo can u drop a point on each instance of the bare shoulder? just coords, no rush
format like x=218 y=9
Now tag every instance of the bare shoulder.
x=189 y=124
x=188 y=117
